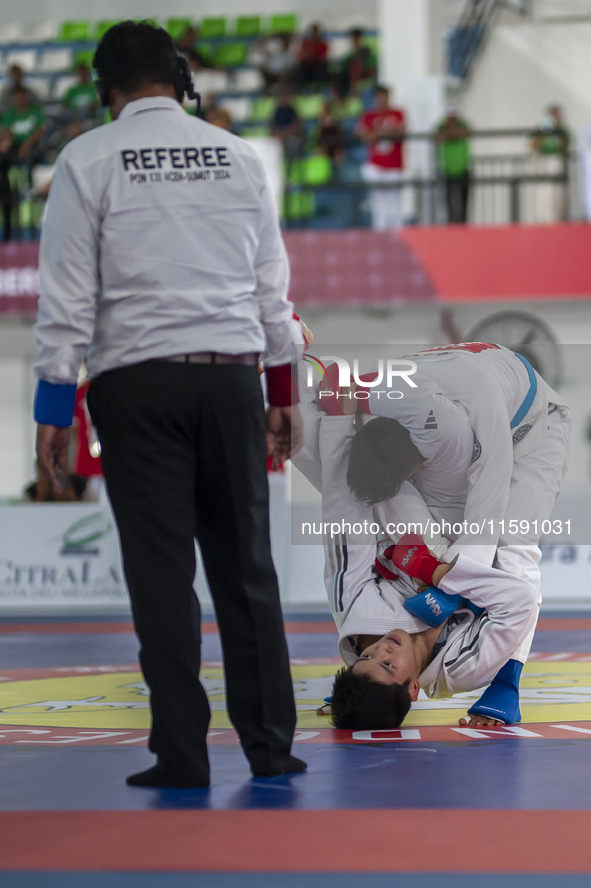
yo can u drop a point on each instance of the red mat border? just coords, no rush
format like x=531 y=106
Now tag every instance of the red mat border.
x=371 y=841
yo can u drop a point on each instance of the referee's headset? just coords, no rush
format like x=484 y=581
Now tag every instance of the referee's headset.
x=183 y=85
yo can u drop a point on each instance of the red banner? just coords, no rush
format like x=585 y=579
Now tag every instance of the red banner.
x=19 y=278
x=360 y=267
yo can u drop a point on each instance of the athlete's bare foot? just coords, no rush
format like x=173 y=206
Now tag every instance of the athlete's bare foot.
x=480 y=721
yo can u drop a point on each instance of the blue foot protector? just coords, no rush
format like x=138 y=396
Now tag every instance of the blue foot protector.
x=433 y=606
x=501 y=698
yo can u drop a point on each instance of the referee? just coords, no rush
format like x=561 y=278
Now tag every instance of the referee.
x=162 y=264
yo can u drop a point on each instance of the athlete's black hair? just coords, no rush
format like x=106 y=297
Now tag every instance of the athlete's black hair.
x=381 y=456
x=132 y=54
x=361 y=704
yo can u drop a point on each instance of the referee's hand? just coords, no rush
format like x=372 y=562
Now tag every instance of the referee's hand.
x=284 y=433
x=52 y=452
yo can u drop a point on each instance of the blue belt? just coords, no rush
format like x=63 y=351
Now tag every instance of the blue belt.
x=529 y=398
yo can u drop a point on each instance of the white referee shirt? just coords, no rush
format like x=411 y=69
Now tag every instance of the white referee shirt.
x=161 y=238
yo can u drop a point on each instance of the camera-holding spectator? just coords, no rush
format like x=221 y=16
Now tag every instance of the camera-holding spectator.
x=382 y=129
x=359 y=65
x=274 y=58
x=550 y=144
x=80 y=102
x=16 y=81
x=453 y=155
x=286 y=126
x=311 y=58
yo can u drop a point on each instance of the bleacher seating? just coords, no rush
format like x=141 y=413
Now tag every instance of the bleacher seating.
x=48 y=53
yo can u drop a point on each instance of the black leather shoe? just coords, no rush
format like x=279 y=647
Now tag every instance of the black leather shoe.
x=162 y=777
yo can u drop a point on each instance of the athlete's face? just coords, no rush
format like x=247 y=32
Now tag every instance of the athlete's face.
x=390 y=660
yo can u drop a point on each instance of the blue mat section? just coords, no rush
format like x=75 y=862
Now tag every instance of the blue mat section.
x=287 y=880
x=37 y=650
x=468 y=774
x=557 y=641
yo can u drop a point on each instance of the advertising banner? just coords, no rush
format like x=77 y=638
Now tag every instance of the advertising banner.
x=53 y=554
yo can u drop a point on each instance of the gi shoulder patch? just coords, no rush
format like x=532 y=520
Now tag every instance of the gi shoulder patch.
x=520 y=433
x=476 y=450
x=431 y=421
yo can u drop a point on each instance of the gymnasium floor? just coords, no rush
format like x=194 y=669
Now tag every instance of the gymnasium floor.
x=428 y=805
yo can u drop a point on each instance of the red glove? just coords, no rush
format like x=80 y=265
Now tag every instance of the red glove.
x=331 y=404
x=412 y=557
x=383 y=562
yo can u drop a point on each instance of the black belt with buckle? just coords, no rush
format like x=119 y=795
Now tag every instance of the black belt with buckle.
x=250 y=358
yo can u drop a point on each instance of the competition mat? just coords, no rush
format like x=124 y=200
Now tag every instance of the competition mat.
x=431 y=803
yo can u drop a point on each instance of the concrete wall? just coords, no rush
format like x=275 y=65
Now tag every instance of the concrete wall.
x=526 y=65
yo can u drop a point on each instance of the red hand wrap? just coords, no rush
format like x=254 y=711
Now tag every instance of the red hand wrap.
x=412 y=557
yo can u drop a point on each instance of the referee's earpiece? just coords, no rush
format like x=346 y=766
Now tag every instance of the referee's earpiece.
x=184 y=83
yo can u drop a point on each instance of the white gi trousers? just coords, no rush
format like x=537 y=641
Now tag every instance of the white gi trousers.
x=385 y=204
x=535 y=484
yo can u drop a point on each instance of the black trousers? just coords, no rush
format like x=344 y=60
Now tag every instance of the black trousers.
x=456 y=195
x=183 y=454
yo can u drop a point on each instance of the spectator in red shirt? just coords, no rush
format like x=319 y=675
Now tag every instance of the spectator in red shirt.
x=382 y=129
x=311 y=58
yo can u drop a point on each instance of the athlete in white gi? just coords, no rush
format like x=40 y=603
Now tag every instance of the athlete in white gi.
x=494 y=438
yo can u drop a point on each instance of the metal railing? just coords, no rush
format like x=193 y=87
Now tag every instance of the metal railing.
x=504 y=188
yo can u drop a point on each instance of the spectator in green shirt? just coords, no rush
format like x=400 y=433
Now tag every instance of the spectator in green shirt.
x=550 y=145
x=80 y=101
x=359 y=65
x=25 y=124
x=453 y=154
x=21 y=130
x=552 y=137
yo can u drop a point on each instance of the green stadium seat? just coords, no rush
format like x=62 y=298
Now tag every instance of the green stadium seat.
x=293 y=171
x=212 y=27
x=72 y=32
x=254 y=131
x=103 y=26
x=351 y=107
x=248 y=26
x=176 y=27
x=231 y=55
x=285 y=24
x=317 y=169
x=298 y=205
x=263 y=109
x=373 y=43
x=84 y=57
x=208 y=52
x=308 y=107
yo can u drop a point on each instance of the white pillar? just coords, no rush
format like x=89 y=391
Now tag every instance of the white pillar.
x=405 y=65
x=404 y=44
